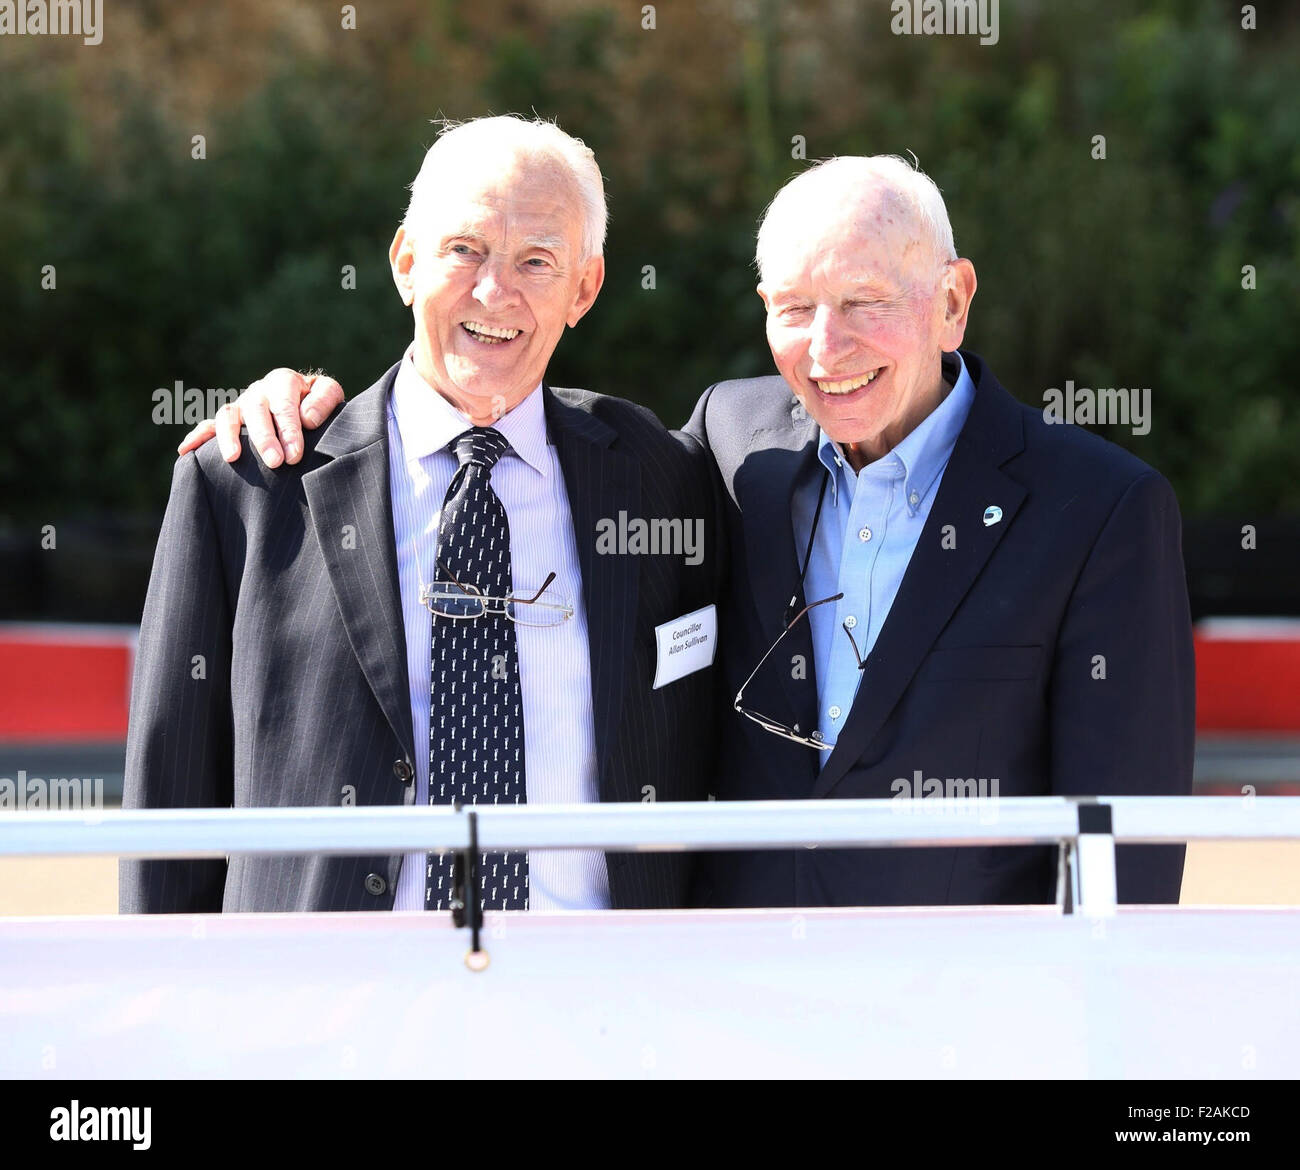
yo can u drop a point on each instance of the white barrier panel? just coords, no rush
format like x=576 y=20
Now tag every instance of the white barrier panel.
x=933 y=993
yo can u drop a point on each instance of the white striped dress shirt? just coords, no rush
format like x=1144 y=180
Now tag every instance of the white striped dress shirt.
x=554 y=663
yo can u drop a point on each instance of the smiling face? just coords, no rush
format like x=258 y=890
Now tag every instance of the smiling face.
x=860 y=310
x=493 y=273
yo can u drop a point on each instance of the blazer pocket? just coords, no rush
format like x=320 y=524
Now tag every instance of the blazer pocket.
x=981 y=662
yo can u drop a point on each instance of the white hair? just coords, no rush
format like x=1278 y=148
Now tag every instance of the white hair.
x=512 y=135
x=836 y=176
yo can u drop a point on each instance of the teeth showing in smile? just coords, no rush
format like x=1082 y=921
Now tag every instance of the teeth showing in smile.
x=847 y=386
x=488 y=335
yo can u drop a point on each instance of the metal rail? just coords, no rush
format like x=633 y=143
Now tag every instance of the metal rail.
x=193 y=833
x=1085 y=830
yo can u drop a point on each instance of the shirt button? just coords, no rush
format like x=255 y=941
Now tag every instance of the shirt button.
x=864 y=534
x=913 y=499
x=834 y=712
x=375 y=884
x=851 y=622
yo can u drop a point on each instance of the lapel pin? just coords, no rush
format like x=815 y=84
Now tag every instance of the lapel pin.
x=992 y=514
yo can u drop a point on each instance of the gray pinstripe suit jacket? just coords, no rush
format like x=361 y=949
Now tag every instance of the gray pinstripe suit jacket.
x=271 y=668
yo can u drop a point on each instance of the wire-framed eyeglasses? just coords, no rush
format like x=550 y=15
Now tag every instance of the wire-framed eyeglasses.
x=775 y=726
x=451 y=599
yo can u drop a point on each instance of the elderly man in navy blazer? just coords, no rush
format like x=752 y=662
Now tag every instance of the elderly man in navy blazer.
x=933 y=589
x=965 y=599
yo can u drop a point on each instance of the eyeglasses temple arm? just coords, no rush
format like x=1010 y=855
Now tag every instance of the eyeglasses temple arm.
x=862 y=662
x=532 y=600
x=449 y=574
x=812 y=605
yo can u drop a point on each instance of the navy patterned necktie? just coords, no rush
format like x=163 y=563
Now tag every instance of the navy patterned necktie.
x=476 y=718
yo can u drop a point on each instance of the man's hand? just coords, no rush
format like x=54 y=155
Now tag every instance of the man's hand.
x=292 y=399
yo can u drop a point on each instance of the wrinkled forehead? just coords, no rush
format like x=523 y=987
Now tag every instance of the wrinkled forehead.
x=869 y=234
x=504 y=195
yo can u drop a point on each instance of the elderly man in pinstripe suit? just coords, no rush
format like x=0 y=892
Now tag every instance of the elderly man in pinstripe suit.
x=431 y=571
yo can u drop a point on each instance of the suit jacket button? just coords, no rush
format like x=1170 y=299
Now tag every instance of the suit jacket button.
x=403 y=771
x=375 y=884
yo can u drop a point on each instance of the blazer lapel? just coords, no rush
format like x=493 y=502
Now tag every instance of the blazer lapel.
x=765 y=484
x=937 y=578
x=351 y=512
x=601 y=483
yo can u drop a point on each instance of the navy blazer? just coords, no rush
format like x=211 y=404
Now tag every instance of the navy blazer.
x=271 y=668
x=990 y=664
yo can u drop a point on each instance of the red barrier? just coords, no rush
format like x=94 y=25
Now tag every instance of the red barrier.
x=65 y=683
x=1248 y=675
x=72 y=682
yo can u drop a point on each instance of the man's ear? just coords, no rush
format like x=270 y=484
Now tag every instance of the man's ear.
x=401 y=257
x=589 y=286
x=959 y=286
x=764 y=296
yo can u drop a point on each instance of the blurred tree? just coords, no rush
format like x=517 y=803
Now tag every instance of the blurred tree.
x=1126 y=271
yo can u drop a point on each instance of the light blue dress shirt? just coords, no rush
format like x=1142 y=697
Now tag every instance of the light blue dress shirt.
x=869 y=526
x=554 y=661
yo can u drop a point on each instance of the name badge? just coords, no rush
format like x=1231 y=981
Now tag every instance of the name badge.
x=686 y=644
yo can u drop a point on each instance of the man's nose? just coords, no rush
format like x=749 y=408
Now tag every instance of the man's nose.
x=829 y=340
x=495 y=288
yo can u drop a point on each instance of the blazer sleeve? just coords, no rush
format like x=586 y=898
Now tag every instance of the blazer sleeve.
x=179 y=738
x=1122 y=701
x=695 y=435
x=696 y=426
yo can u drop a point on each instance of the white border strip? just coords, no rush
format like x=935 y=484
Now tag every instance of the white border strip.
x=69 y=634
x=1249 y=629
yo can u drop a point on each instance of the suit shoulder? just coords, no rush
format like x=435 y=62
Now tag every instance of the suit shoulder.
x=637 y=429
x=670 y=462
x=1068 y=452
x=753 y=398
x=248 y=476
x=245 y=472
x=731 y=414
x=359 y=420
x=618 y=413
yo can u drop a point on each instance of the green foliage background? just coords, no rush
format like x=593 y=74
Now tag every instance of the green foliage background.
x=1123 y=272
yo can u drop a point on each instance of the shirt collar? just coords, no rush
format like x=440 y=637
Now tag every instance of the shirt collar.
x=428 y=423
x=920 y=458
